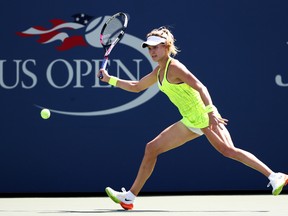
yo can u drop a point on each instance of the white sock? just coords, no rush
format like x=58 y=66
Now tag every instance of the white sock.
x=272 y=176
x=130 y=195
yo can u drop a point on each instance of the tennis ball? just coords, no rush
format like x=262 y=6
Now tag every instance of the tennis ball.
x=45 y=113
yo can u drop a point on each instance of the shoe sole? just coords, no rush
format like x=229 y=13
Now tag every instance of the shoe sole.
x=126 y=206
x=107 y=190
x=279 y=189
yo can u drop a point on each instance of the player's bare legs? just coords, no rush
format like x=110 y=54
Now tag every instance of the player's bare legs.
x=175 y=136
x=221 y=140
x=172 y=137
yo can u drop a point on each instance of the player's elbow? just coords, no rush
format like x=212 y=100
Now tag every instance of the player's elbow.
x=136 y=90
x=136 y=87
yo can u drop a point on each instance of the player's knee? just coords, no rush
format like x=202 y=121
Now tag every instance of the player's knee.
x=151 y=149
x=229 y=152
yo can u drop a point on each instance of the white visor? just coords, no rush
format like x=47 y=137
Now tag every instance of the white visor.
x=153 y=41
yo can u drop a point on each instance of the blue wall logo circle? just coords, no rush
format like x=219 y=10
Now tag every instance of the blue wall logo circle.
x=83 y=32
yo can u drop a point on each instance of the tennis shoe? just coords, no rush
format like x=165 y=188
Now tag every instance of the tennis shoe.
x=120 y=198
x=277 y=181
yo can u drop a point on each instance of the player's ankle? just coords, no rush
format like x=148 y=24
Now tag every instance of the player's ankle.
x=130 y=196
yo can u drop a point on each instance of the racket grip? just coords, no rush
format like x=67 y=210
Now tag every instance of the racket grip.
x=100 y=76
x=103 y=66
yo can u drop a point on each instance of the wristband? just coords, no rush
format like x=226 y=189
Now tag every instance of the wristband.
x=113 y=81
x=209 y=108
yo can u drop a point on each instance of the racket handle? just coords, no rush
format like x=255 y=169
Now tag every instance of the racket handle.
x=103 y=66
x=100 y=76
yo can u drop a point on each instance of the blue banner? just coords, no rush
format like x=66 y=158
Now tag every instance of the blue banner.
x=96 y=135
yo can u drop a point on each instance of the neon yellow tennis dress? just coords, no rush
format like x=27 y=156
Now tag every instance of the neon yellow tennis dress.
x=186 y=99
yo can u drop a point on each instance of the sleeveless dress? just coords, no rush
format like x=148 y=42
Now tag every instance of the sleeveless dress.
x=186 y=99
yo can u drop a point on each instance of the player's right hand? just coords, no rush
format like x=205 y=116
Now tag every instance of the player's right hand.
x=104 y=74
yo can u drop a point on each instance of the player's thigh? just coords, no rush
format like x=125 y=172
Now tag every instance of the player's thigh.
x=219 y=138
x=172 y=137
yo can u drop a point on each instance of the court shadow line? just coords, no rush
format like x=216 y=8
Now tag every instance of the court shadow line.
x=105 y=211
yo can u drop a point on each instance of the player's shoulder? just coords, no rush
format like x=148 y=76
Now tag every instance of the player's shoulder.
x=177 y=65
x=155 y=71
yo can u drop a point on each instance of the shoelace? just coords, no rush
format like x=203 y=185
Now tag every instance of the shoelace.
x=123 y=190
x=269 y=184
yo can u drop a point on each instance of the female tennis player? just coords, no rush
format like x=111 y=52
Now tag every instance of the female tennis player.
x=199 y=114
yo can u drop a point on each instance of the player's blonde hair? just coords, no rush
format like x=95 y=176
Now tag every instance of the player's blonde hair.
x=166 y=34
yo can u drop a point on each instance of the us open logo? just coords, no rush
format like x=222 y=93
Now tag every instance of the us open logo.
x=66 y=71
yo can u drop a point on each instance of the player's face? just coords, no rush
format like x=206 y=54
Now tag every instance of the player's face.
x=157 y=52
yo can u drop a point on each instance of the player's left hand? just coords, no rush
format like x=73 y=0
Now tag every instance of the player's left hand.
x=216 y=121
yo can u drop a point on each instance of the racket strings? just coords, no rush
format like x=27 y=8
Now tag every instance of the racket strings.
x=112 y=30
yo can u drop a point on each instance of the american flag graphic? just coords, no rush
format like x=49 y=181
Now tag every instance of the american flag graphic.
x=71 y=34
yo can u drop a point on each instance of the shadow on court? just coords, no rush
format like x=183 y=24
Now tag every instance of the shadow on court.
x=105 y=211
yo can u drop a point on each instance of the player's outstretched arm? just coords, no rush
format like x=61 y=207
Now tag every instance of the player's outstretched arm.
x=129 y=85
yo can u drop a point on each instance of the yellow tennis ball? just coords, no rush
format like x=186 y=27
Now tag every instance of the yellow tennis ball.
x=45 y=113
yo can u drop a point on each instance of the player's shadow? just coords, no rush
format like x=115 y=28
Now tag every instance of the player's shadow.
x=105 y=211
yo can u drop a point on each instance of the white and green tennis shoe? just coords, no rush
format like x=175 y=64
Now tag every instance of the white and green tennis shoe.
x=277 y=181
x=124 y=198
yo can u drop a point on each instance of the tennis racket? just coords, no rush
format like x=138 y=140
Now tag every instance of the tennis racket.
x=112 y=32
